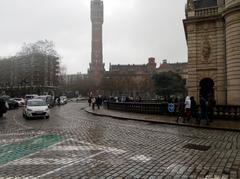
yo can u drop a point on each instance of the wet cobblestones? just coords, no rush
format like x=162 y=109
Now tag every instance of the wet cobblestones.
x=95 y=147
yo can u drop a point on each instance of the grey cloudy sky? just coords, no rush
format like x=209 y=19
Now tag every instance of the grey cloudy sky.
x=133 y=30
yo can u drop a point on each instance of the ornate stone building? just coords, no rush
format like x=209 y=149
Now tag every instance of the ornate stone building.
x=212 y=30
x=96 y=69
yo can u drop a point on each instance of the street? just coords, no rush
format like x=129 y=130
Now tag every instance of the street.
x=74 y=144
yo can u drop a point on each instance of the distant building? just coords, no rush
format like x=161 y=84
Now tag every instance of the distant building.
x=72 y=79
x=179 y=68
x=131 y=80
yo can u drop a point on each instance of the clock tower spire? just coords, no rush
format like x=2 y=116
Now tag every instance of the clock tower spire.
x=96 y=69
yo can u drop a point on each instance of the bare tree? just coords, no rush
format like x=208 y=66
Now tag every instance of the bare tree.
x=40 y=47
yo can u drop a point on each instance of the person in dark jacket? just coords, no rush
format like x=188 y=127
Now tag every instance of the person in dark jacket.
x=180 y=110
x=3 y=108
x=211 y=106
x=99 y=101
x=204 y=110
x=194 y=108
x=89 y=101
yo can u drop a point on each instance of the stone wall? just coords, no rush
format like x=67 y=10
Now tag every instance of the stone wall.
x=233 y=55
x=213 y=50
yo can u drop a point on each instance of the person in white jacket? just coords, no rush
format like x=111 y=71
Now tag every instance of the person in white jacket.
x=187 y=109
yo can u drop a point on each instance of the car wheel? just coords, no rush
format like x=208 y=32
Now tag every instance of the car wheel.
x=47 y=117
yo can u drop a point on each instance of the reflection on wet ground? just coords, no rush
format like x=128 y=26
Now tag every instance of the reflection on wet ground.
x=92 y=146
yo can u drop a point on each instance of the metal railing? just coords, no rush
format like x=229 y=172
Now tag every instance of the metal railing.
x=220 y=111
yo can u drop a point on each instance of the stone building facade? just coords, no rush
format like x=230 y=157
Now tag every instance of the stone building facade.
x=179 y=68
x=130 y=80
x=212 y=30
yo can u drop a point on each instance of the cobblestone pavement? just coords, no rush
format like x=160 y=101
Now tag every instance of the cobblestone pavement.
x=74 y=144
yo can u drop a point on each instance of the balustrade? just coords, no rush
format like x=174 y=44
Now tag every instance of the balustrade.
x=206 y=11
x=220 y=111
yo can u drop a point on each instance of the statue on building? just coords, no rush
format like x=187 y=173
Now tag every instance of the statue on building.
x=206 y=49
x=190 y=5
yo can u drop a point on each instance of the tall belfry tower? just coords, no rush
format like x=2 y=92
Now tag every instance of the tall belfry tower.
x=96 y=70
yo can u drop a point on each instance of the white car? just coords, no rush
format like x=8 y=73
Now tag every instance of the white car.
x=20 y=101
x=36 y=108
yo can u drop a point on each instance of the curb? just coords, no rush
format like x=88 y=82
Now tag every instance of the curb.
x=161 y=122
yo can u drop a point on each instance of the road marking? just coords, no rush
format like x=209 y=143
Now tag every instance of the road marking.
x=141 y=158
x=18 y=123
x=23 y=133
x=44 y=161
x=14 y=152
x=87 y=147
x=112 y=150
x=73 y=163
x=71 y=148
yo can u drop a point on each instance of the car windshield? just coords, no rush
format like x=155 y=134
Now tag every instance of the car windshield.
x=42 y=98
x=36 y=103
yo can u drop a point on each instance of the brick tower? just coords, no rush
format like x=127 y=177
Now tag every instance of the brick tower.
x=96 y=69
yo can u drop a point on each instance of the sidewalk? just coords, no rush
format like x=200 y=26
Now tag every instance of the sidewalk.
x=217 y=124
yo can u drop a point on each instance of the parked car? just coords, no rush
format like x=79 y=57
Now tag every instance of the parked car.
x=21 y=101
x=36 y=108
x=30 y=96
x=47 y=98
x=81 y=99
x=12 y=104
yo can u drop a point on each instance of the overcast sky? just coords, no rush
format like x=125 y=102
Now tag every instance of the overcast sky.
x=133 y=30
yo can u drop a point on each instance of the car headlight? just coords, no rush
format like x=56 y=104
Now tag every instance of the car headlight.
x=46 y=110
x=29 y=110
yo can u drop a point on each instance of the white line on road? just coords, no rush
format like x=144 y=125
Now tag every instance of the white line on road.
x=18 y=123
x=45 y=161
x=73 y=163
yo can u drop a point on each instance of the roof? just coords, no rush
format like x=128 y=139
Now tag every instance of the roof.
x=200 y=4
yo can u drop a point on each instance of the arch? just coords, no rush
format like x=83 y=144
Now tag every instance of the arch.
x=206 y=87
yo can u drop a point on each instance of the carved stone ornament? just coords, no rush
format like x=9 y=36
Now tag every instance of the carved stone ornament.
x=206 y=49
x=190 y=5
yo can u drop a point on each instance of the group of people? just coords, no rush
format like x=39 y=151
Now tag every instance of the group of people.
x=187 y=109
x=92 y=101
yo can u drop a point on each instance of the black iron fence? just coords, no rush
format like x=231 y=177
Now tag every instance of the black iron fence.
x=220 y=111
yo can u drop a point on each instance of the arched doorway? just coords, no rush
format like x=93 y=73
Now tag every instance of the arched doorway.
x=206 y=87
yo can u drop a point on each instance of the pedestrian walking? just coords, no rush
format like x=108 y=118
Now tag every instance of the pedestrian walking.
x=194 y=112
x=187 y=109
x=211 y=106
x=99 y=101
x=89 y=101
x=3 y=107
x=180 y=109
x=93 y=101
x=204 y=112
